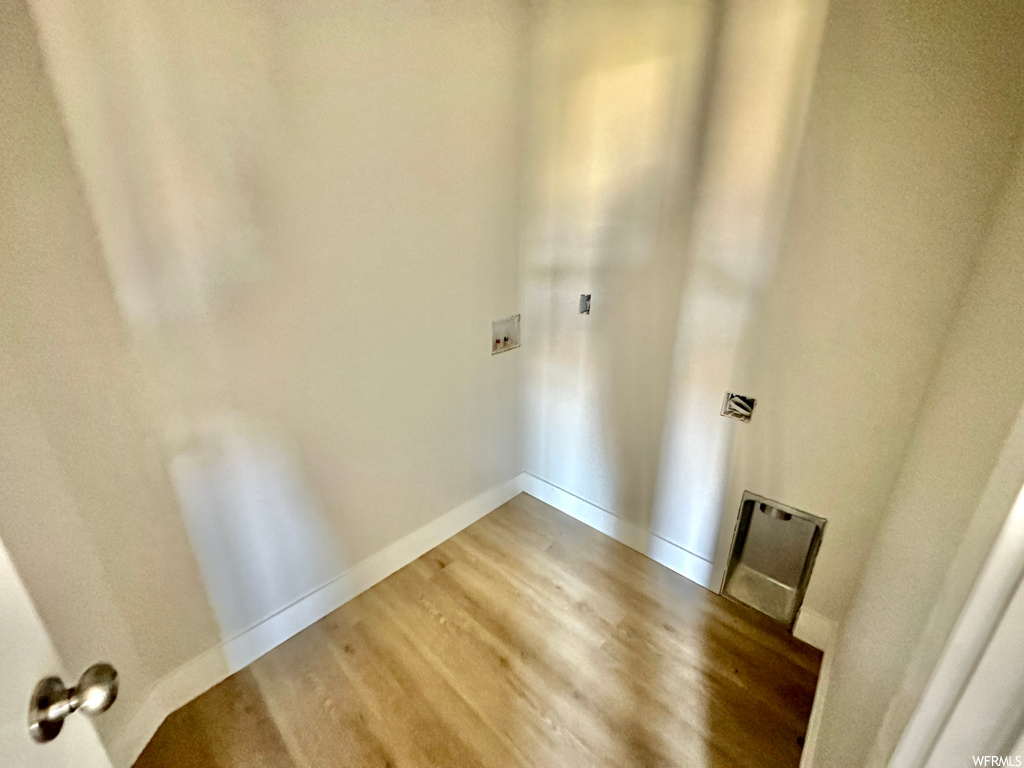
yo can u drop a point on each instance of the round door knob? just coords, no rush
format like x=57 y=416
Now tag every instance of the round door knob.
x=96 y=689
x=52 y=701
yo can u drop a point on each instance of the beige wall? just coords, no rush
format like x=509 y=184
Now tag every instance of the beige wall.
x=276 y=359
x=88 y=516
x=616 y=93
x=647 y=187
x=955 y=489
x=270 y=359
x=826 y=295
x=909 y=135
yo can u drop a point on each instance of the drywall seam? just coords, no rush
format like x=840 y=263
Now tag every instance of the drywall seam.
x=181 y=685
x=682 y=561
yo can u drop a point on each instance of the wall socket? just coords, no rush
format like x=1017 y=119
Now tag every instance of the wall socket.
x=584 y=303
x=504 y=334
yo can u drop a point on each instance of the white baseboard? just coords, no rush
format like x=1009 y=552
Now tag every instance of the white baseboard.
x=197 y=676
x=818 y=624
x=815 y=629
x=683 y=562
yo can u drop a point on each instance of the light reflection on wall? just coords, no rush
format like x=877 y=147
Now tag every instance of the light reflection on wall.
x=173 y=138
x=284 y=196
x=662 y=143
x=169 y=124
x=755 y=122
x=614 y=95
x=260 y=540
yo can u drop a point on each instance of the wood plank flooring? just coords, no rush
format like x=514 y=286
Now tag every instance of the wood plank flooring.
x=528 y=639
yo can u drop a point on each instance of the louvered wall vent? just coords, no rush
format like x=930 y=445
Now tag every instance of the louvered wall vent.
x=738 y=406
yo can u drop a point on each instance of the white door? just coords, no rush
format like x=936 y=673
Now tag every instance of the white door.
x=987 y=719
x=972 y=710
x=26 y=656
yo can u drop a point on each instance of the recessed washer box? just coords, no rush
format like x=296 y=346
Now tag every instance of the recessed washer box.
x=773 y=552
x=504 y=334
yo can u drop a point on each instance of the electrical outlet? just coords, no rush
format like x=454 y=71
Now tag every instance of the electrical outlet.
x=504 y=334
x=584 y=303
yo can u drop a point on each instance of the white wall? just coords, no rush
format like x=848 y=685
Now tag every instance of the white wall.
x=956 y=487
x=88 y=514
x=909 y=134
x=275 y=361
x=615 y=95
x=826 y=295
x=987 y=719
x=646 y=187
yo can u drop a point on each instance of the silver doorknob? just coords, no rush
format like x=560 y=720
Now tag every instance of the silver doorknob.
x=52 y=701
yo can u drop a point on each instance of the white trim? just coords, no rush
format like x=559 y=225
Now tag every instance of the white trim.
x=193 y=678
x=811 y=626
x=198 y=675
x=672 y=556
x=815 y=629
x=807 y=759
x=968 y=642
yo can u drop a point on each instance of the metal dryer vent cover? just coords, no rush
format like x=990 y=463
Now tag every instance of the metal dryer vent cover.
x=773 y=551
x=738 y=407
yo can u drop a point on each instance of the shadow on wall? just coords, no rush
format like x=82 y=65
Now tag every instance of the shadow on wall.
x=261 y=539
x=655 y=141
x=662 y=142
x=273 y=191
x=181 y=216
x=124 y=442
x=613 y=95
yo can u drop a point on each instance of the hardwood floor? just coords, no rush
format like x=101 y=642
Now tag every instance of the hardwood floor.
x=528 y=639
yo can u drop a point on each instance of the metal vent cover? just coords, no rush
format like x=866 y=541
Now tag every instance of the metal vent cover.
x=774 y=547
x=739 y=407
